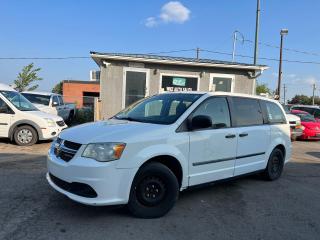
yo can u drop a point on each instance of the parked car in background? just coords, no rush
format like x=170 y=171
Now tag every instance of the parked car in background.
x=22 y=122
x=52 y=103
x=166 y=143
x=311 y=126
x=295 y=123
x=313 y=110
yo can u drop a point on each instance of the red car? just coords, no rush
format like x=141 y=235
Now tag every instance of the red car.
x=311 y=125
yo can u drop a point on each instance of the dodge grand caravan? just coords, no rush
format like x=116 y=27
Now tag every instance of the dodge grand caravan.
x=150 y=151
x=22 y=122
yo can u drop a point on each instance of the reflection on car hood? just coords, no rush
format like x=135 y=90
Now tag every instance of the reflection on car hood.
x=110 y=131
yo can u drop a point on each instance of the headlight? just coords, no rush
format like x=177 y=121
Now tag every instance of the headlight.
x=104 y=152
x=50 y=122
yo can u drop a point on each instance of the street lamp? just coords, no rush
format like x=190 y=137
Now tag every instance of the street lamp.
x=283 y=32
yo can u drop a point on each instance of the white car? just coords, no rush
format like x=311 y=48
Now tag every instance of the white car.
x=51 y=103
x=164 y=144
x=22 y=122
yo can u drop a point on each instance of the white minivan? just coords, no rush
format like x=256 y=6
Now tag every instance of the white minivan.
x=161 y=145
x=22 y=122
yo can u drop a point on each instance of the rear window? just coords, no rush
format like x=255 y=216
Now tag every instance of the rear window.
x=247 y=111
x=274 y=112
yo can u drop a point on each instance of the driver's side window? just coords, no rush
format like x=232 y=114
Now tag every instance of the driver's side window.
x=4 y=108
x=217 y=109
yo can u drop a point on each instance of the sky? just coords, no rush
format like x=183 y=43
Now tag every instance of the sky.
x=73 y=28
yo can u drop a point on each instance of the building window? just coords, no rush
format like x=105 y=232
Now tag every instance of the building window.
x=178 y=83
x=221 y=83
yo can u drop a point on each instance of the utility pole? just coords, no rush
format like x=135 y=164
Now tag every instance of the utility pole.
x=198 y=52
x=313 y=91
x=283 y=32
x=256 y=42
x=284 y=93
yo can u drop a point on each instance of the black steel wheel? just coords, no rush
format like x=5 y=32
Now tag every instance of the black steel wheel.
x=275 y=165
x=154 y=191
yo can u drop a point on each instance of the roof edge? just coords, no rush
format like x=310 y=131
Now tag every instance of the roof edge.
x=101 y=56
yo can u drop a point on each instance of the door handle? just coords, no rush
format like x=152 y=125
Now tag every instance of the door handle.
x=230 y=136
x=243 y=134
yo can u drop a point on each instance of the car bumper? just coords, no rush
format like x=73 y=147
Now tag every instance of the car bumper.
x=296 y=132
x=52 y=132
x=111 y=185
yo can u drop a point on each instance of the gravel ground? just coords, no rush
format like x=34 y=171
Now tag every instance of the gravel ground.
x=247 y=208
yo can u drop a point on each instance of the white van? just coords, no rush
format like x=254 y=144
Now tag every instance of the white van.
x=147 y=153
x=22 y=122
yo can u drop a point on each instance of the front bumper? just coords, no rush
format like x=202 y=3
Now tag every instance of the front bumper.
x=51 y=132
x=111 y=185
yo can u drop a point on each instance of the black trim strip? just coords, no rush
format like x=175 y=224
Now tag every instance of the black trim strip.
x=226 y=159
x=213 y=161
x=3 y=123
x=250 y=155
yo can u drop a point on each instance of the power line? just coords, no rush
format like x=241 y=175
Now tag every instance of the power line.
x=41 y=58
x=287 y=49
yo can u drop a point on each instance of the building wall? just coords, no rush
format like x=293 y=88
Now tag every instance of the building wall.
x=112 y=81
x=73 y=91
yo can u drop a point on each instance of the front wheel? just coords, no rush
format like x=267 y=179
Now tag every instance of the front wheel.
x=275 y=165
x=25 y=136
x=154 y=191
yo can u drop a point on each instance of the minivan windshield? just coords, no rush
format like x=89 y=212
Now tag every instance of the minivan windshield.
x=19 y=101
x=37 y=98
x=306 y=117
x=159 y=109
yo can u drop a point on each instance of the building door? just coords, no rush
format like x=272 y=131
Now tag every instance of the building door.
x=221 y=83
x=135 y=86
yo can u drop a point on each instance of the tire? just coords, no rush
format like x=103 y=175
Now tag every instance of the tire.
x=275 y=165
x=154 y=191
x=25 y=135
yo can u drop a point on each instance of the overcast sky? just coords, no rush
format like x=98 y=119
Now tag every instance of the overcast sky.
x=62 y=28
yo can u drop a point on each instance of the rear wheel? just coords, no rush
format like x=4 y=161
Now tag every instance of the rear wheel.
x=275 y=165
x=154 y=191
x=25 y=135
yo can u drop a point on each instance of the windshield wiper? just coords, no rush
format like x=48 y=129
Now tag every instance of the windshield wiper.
x=128 y=119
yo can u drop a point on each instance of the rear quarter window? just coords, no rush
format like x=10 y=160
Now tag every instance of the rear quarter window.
x=274 y=113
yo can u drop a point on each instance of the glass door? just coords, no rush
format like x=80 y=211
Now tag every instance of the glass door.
x=135 y=86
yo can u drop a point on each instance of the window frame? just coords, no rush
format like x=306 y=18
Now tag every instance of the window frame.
x=221 y=75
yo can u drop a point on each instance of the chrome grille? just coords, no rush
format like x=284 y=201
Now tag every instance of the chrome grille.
x=65 y=150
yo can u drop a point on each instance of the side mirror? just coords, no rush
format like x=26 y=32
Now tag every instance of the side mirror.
x=201 y=122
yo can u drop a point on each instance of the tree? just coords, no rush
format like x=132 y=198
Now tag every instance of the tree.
x=58 y=88
x=26 y=77
x=301 y=99
x=262 y=88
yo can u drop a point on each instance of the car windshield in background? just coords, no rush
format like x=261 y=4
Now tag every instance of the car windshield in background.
x=306 y=118
x=159 y=109
x=286 y=109
x=19 y=101
x=37 y=99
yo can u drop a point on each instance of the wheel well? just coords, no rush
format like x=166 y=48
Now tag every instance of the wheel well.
x=282 y=149
x=170 y=162
x=23 y=124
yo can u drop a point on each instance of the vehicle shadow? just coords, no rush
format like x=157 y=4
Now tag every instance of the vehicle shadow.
x=314 y=154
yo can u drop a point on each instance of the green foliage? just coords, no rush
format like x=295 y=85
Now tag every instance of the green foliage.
x=262 y=88
x=83 y=115
x=26 y=77
x=303 y=99
x=58 y=88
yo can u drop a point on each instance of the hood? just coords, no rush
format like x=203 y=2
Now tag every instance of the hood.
x=44 y=115
x=110 y=131
x=312 y=125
